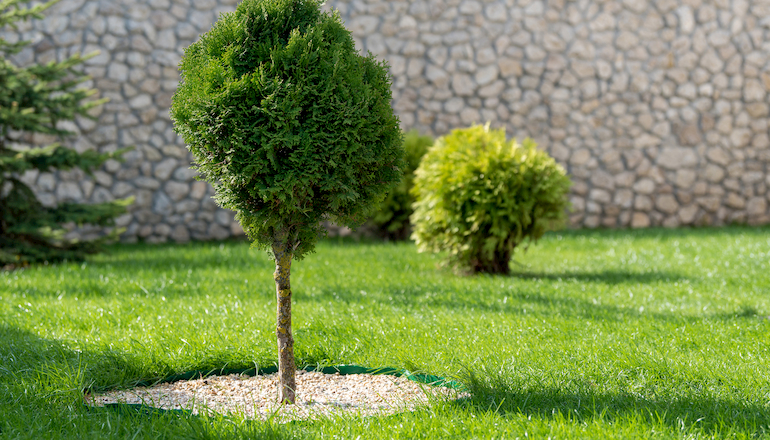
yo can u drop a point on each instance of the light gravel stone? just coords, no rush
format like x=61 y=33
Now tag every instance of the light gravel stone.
x=318 y=396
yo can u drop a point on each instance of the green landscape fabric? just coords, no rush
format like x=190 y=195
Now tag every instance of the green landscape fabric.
x=428 y=379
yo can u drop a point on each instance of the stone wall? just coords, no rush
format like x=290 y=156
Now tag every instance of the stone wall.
x=658 y=109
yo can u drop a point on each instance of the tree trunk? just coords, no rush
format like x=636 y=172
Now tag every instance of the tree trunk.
x=286 y=366
x=498 y=265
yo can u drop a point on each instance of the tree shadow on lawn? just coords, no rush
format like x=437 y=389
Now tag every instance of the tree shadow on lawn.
x=528 y=297
x=665 y=233
x=42 y=384
x=534 y=302
x=710 y=415
x=603 y=276
x=172 y=256
x=229 y=253
x=25 y=355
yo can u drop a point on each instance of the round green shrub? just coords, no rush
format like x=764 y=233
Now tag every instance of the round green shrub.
x=392 y=218
x=290 y=124
x=479 y=196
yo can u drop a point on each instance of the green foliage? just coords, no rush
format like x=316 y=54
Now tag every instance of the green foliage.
x=480 y=196
x=290 y=124
x=392 y=219
x=34 y=99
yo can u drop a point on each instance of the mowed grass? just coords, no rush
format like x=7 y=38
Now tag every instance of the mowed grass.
x=597 y=334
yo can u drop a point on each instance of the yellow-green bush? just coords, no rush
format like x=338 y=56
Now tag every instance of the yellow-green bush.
x=392 y=219
x=479 y=196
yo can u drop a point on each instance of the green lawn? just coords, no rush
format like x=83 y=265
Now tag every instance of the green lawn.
x=598 y=334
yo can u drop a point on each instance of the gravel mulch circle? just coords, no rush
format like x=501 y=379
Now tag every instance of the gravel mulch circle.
x=255 y=397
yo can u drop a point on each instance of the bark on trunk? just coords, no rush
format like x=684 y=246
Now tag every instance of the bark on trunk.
x=499 y=264
x=286 y=366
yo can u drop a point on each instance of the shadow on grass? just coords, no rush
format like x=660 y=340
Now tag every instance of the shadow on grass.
x=234 y=252
x=41 y=396
x=25 y=355
x=527 y=299
x=605 y=276
x=664 y=233
x=706 y=414
x=192 y=255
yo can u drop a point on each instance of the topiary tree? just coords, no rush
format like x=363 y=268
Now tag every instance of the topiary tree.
x=479 y=196
x=392 y=217
x=293 y=127
x=35 y=99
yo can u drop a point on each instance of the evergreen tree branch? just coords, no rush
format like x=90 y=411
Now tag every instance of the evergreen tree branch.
x=53 y=157
x=11 y=12
x=34 y=99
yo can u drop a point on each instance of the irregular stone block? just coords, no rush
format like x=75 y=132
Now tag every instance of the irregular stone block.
x=463 y=85
x=644 y=186
x=685 y=178
x=491 y=90
x=756 y=206
x=735 y=201
x=486 y=75
x=146 y=182
x=363 y=25
x=164 y=168
x=176 y=190
x=469 y=7
x=122 y=189
x=218 y=232
x=640 y=220
x=677 y=157
x=180 y=234
x=69 y=191
x=667 y=203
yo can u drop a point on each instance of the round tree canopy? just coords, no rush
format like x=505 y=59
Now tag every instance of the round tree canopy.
x=288 y=121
